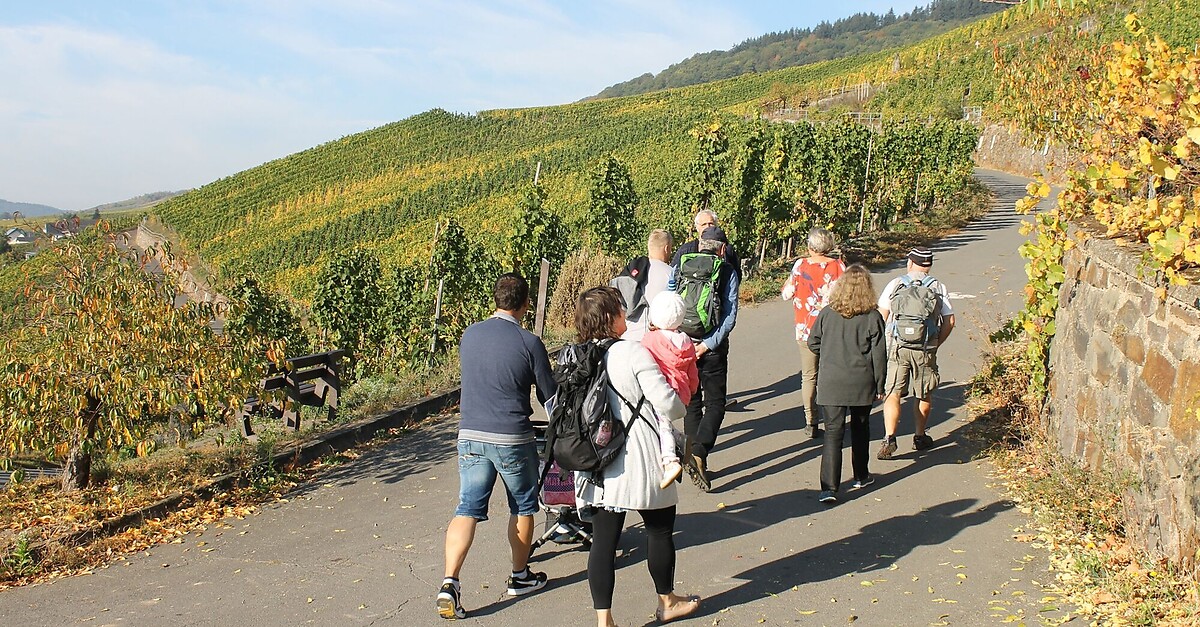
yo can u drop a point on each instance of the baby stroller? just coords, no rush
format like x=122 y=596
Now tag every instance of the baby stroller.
x=564 y=524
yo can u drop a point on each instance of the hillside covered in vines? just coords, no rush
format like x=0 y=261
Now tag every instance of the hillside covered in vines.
x=386 y=189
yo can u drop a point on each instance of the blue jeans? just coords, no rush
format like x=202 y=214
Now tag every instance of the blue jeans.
x=478 y=465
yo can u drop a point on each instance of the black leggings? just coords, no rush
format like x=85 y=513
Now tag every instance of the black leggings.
x=602 y=558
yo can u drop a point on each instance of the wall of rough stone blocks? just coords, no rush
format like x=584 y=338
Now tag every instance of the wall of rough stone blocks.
x=1002 y=149
x=1125 y=388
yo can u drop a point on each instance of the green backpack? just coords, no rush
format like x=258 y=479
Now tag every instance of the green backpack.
x=697 y=284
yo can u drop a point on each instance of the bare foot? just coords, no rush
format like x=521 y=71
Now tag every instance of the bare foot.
x=674 y=607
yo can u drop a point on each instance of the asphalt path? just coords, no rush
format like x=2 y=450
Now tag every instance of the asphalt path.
x=933 y=542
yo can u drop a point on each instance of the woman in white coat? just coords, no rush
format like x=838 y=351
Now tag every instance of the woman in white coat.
x=632 y=480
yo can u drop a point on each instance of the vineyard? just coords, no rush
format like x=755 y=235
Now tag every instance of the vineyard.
x=386 y=242
x=448 y=200
x=775 y=181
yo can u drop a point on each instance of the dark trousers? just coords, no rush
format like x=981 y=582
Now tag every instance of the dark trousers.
x=706 y=411
x=860 y=442
x=602 y=557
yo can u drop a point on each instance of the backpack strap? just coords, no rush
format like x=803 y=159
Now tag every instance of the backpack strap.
x=636 y=409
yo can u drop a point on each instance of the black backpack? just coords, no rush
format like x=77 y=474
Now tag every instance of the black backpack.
x=584 y=433
x=631 y=283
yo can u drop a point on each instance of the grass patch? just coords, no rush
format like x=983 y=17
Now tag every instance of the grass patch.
x=1079 y=513
x=944 y=218
x=380 y=393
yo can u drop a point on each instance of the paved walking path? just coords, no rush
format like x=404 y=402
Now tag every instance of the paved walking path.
x=931 y=543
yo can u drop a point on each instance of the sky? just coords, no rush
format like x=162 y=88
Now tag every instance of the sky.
x=104 y=101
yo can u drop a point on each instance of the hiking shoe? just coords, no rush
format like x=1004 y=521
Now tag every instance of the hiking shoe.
x=827 y=496
x=448 y=605
x=700 y=476
x=922 y=442
x=889 y=447
x=527 y=583
x=862 y=483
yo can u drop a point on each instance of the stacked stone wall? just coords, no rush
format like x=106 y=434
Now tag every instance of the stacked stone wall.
x=1008 y=151
x=1125 y=388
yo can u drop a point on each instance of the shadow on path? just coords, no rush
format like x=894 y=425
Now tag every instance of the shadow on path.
x=503 y=601
x=413 y=453
x=946 y=399
x=874 y=547
x=739 y=518
x=744 y=400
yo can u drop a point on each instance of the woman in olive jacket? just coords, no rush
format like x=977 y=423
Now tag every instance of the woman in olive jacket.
x=848 y=338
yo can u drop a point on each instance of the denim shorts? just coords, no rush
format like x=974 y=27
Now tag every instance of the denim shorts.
x=478 y=465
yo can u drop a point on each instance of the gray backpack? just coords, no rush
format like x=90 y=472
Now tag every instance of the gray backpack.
x=916 y=307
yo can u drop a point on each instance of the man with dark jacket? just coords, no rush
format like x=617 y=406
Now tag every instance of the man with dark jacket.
x=500 y=362
x=703 y=220
x=706 y=411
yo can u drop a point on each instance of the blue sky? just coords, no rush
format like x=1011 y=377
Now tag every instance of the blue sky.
x=102 y=101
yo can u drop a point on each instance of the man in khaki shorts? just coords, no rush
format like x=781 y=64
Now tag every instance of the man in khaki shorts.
x=909 y=366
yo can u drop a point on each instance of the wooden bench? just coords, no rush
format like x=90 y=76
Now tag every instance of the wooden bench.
x=311 y=380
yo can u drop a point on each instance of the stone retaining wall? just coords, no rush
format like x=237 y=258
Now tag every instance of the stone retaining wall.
x=1007 y=151
x=1125 y=388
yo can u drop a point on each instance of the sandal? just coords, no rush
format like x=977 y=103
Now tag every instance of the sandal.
x=685 y=607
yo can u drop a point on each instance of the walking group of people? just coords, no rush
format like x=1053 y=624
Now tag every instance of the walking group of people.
x=664 y=323
x=856 y=349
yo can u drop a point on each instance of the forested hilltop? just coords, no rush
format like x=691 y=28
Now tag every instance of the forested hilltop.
x=861 y=33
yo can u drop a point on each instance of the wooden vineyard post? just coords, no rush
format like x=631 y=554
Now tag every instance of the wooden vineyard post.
x=437 y=314
x=539 y=321
x=432 y=252
x=862 y=213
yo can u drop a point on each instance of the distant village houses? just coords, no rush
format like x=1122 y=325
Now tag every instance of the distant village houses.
x=66 y=227
x=17 y=235
x=55 y=233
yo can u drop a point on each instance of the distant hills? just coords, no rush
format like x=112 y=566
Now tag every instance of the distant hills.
x=33 y=210
x=861 y=33
x=27 y=209
x=137 y=202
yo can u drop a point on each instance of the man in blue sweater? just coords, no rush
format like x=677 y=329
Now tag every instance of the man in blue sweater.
x=706 y=411
x=500 y=363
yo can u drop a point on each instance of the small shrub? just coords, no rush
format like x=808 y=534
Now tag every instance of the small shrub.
x=20 y=560
x=765 y=283
x=581 y=271
x=263 y=475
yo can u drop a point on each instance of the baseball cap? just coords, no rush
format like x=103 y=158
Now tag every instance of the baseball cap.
x=714 y=233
